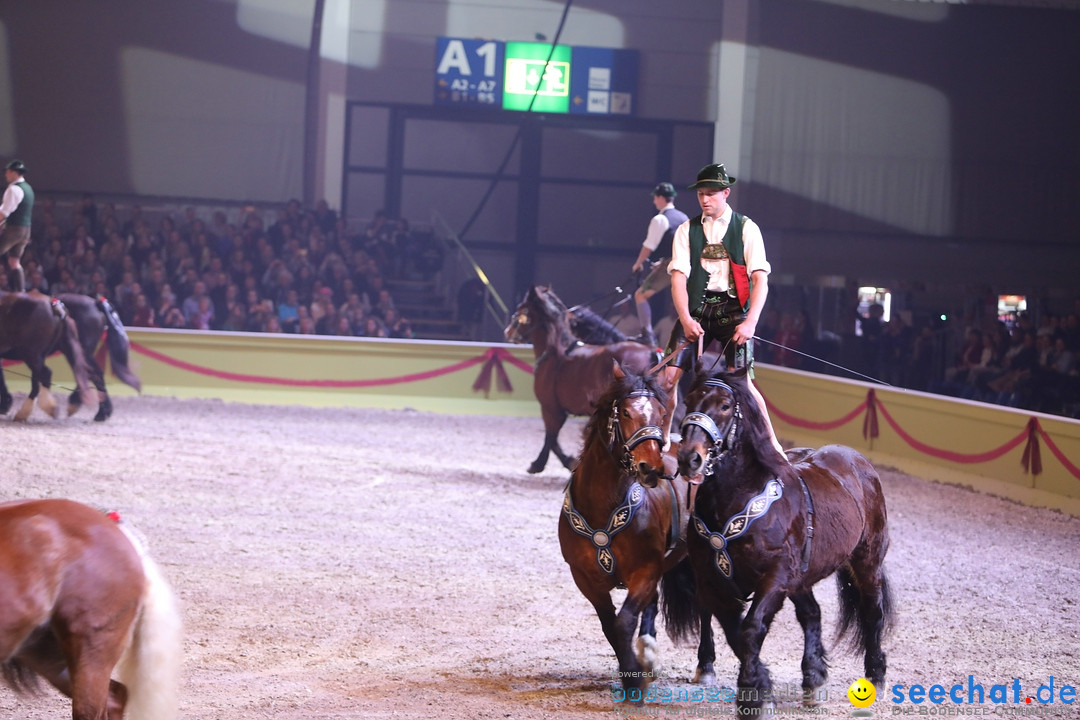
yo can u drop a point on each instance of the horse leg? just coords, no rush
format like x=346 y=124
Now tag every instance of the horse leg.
x=45 y=656
x=815 y=669
x=566 y=460
x=28 y=404
x=46 y=400
x=647 y=649
x=553 y=422
x=706 y=652
x=6 y=399
x=105 y=407
x=92 y=656
x=865 y=593
x=540 y=462
x=605 y=611
x=755 y=683
x=634 y=674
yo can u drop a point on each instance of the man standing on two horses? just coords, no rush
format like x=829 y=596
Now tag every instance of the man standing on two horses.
x=15 y=211
x=657 y=244
x=719 y=280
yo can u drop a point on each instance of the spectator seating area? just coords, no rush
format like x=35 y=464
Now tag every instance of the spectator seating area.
x=294 y=269
x=245 y=268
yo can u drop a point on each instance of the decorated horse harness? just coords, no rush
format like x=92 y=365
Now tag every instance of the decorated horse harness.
x=622 y=515
x=739 y=523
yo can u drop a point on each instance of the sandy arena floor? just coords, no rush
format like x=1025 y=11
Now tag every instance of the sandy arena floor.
x=370 y=564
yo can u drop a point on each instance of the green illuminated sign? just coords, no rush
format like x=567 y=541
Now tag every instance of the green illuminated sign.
x=529 y=74
x=579 y=80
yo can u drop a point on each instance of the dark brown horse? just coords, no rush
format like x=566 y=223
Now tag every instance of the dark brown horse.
x=624 y=519
x=32 y=326
x=79 y=596
x=94 y=318
x=570 y=376
x=769 y=529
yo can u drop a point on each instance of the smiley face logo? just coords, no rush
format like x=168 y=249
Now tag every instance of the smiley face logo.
x=862 y=693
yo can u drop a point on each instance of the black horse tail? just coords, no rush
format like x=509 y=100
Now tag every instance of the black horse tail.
x=116 y=340
x=852 y=625
x=682 y=617
x=73 y=351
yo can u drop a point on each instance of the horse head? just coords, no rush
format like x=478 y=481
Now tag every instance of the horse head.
x=635 y=417
x=522 y=320
x=713 y=412
x=540 y=315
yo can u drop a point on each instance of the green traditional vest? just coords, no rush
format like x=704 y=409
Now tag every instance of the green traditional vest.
x=22 y=213
x=733 y=243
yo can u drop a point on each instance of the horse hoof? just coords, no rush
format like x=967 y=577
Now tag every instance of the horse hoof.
x=48 y=404
x=73 y=408
x=704 y=677
x=25 y=410
x=102 y=415
x=536 y=468
x=647 y=652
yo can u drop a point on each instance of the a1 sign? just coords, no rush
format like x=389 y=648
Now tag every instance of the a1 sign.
x=535 y=77
x=468 y=72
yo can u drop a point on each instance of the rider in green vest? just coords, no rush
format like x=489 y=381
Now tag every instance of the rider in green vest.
x=719 y=280
x=16 y=209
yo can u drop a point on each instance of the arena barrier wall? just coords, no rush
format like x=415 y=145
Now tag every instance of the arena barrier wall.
x=1027 y=457
x=1024 y=456
x=313 y=370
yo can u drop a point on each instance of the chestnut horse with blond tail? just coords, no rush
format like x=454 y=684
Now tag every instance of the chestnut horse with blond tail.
x=81 y=602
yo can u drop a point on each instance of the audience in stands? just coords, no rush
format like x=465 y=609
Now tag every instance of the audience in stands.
x=299 y=270
x=301 y=273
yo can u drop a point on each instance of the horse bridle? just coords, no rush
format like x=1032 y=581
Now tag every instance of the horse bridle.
x=721 y=440
x=642 y=434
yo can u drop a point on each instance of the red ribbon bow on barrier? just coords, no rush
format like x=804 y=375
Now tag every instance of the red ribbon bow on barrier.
x=1032 y=459
x=869 y=425
x=493 y=362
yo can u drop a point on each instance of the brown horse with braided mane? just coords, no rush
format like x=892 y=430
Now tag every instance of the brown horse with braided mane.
x=767 y=529
x=32 y=326
x=569 y=375
x=623 y=523
x=80 y=597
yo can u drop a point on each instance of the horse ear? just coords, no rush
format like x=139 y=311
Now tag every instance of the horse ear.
x=617 y=370
x=669 y=378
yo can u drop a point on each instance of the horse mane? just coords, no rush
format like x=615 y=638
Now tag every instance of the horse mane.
x=594 y=329
x=555 y=314
x=617 y=390
x=754 y=434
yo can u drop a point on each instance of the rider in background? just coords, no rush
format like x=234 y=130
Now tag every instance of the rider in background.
x=16 y=209
x=657 y=245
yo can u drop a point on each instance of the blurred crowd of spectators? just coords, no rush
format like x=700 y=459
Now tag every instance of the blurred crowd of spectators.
x=1010 y=363
x=297 y=271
